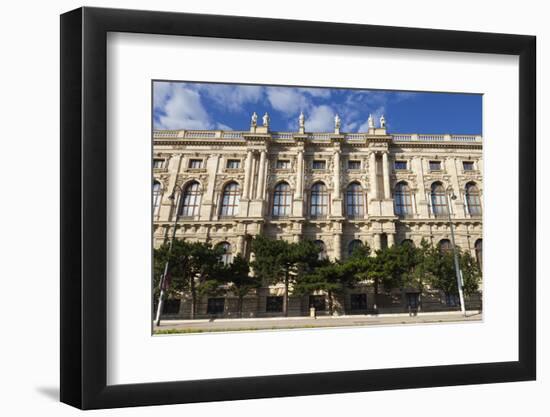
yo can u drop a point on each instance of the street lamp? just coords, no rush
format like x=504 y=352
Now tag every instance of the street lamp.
x=455 y=254
x=171 y=197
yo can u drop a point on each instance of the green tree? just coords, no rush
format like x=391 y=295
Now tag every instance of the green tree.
x=331 y=277
x=386 y=269
x=471 y=273
x=193 y=267
x=281 y=261
x=238 y=278
x=415 y=263
x=440 y=268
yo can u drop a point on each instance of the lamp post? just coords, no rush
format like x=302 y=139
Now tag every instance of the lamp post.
x=171 y=197
x=455 y=254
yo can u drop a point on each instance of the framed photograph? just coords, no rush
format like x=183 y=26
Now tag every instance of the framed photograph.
x=257 y=208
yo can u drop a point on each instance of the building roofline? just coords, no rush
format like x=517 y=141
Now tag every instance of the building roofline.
x=232 y=137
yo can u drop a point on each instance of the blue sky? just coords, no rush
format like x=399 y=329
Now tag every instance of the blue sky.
x=188 y=105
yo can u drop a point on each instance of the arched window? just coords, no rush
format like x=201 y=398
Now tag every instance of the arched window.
x=319 y=200
x=439 y=200
x=227 y=255
x=408 y=242
x=354 y=200
x=445 y=246
x=322 y=249
x=230 y=200
x=473 y=201
x=354 y=244
x=282 y=200
x=191 y=200
x=402 y=199
x=156 y=196
x=479 y=252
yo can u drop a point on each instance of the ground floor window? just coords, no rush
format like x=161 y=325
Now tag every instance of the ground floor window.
x=412 y=300
x=452 y=300
x=274 y=304
x=317 y=301
x=215 y=305
x=358 y=301
x=171 y=307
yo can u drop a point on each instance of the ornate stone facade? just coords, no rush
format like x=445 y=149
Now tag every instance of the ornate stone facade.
x=375 y=187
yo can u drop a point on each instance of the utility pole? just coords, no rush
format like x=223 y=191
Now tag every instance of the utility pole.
x=172 y=197
x=458 y=272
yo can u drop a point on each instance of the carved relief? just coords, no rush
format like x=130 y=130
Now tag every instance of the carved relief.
x=184 y=178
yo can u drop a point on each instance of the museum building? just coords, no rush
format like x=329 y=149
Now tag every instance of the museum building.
x=337 y=189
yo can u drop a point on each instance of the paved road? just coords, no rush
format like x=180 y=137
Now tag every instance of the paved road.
x=306 y=322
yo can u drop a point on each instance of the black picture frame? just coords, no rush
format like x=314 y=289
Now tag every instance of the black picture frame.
x=84 y=207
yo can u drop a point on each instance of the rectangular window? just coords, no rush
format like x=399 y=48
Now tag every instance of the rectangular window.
x=158 y=163
x=358 y=301
x=274 y=304
x=452 y=300
x=317 y=301
x=435 y=165
x=171 y=306
x=354 y=164
x=233 y=163
x=468 y=165
x=400 y=165
x=215 y=305
x=319 y=164
x=195 y=163
x=412 y=300
x=283 y=164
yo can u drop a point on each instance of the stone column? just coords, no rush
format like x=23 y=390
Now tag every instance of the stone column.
x=299 y=174
x=240 y=244
x=422 y=203
x=458 y=207
x=373 y=176
x=337 y=246
x=413 y=201
x=386 y=173
x=252 y=185
x=337 y=174
x=212 y=166
x=247 y=174
x=377 y=242
x=261 y=177
x=174 y=166
x=165 y=209
x=391 y=239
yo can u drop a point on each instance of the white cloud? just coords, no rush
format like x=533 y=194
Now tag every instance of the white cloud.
x=161 y=93
x=181 y=108
x=349 y=127
x=316 y=92
x=288 y=101
x=321 y=119
x=221 y=126
x=232 y=97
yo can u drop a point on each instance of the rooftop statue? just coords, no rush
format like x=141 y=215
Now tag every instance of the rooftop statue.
x=370 y=122
x=266 y=120
x=337 y=122
x=301 y=120
x=382 y=121
x=254 y=120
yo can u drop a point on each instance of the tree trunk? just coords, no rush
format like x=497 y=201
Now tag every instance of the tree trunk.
x=375 y=306
x=193 y=299
x=285 y=299
x=240 y=306
x=330 y=303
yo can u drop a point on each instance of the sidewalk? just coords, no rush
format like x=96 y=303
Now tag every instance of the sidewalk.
x=272 y=323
